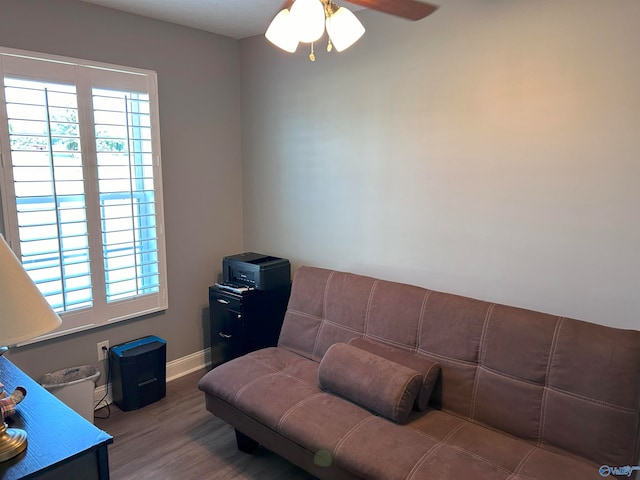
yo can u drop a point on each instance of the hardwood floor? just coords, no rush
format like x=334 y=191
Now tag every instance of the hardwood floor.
x=177 y=438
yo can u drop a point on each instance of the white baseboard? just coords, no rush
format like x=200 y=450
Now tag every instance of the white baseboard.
x=189 y=364
x=175 y=369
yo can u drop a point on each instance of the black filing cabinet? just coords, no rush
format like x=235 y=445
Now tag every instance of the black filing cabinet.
x=242 y=323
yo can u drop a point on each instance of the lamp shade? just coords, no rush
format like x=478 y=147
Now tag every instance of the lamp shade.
x=281 y=32
x=24 y=312
x=344 y=29
x=308 y=19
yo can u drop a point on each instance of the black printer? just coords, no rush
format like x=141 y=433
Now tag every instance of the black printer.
x=255 y=270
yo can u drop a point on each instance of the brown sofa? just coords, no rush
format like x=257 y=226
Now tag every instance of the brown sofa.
x=520 y=394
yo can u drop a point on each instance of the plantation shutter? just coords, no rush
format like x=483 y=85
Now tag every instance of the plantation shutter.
x=81 y=186
x=49 y=189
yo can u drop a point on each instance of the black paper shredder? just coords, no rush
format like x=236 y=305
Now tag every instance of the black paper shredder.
x=139 y=372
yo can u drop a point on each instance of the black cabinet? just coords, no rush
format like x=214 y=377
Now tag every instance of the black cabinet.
x=241 y=323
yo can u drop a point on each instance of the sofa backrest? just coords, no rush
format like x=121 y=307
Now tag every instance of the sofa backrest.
x=554 y=381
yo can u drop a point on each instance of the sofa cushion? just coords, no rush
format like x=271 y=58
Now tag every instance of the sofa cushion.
x=280 y=389
x=381 y=385
x=429 y=369
x=254 y=383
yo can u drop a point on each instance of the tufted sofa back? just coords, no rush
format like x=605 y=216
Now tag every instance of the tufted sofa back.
x=554 y=381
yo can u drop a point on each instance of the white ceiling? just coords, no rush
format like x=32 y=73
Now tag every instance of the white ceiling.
x=232 y=18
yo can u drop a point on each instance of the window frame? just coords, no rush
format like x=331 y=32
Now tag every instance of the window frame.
x=86 y=76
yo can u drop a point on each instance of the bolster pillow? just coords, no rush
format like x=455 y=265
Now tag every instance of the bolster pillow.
x=429 y=370
x=378 y=384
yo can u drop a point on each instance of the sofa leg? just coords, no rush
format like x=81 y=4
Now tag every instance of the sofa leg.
x=245 y=443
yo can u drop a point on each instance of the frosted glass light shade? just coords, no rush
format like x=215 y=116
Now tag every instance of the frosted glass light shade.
x=281 y=32
x=308 y=19
x=24 y=312
x=344 y=29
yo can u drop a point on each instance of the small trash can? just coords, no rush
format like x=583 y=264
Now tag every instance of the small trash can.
x=74 y=386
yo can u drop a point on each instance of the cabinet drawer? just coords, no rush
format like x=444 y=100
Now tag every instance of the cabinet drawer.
x=230 y=334
x=225 y=300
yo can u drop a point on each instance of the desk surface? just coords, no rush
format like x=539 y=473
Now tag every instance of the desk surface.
x=55 y=433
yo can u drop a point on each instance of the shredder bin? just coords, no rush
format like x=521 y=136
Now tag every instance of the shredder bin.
x=75 y=387
x=139 y=372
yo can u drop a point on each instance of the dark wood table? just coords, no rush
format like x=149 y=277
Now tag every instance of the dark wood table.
x=61 y=443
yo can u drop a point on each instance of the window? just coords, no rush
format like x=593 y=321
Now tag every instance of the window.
x=80 y=185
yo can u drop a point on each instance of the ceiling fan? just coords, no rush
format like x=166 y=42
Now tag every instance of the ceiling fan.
x=410 y=9
x=304 y=21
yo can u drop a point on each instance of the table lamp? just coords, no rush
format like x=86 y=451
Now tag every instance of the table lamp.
x=24 y=314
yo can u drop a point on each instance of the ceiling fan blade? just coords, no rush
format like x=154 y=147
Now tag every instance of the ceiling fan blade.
x=410 y=9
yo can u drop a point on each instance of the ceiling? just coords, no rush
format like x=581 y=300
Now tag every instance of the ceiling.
x=232 y=18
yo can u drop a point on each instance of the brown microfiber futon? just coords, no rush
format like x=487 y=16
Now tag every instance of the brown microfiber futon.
x=519 y=394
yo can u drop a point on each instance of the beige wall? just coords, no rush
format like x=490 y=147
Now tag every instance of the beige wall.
x=198 y=80
x=490 y=150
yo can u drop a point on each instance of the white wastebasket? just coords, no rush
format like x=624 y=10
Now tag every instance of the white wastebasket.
x=74 y=386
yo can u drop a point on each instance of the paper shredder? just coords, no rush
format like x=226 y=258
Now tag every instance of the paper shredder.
x=139 y=372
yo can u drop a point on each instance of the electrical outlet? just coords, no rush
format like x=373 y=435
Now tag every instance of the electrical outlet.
x=103 y=354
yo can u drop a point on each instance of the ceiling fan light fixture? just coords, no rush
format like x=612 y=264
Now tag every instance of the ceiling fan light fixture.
x=281 y=32
x=344 y=29
x=307 y=17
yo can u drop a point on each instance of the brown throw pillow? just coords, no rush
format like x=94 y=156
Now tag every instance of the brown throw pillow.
x=429 y=370
x=378 y=384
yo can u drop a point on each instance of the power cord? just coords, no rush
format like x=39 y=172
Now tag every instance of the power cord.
x=105 y=350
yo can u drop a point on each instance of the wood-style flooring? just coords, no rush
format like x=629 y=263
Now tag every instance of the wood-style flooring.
x=177 y=438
